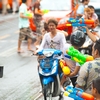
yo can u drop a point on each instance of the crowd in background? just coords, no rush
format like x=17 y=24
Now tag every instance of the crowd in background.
x=15 y=6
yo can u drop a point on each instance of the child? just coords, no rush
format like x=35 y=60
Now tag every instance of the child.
x=24 y=26
x=96 y=88
x=87 y=16
x=87 y=13
x=94 y=15
x=77 y=39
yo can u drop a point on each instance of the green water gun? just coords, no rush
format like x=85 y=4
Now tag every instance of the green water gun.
x=77 y=56
x=29 y=14
x=45 y=11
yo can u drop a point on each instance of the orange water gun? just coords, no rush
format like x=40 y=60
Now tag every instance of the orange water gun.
x=80 y=22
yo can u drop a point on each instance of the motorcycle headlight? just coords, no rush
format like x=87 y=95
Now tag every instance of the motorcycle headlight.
x=48 y=53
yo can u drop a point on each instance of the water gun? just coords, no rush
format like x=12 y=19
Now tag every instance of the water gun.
x=29 y=14
x=79 y=22
x=45 y=11
x=79 y=92
x=64 y=67
x=69 y=24
x=75 y=55
x=71 y=95
x=41 y=12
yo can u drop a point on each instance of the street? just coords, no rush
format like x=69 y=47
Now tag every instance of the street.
x=20 y=80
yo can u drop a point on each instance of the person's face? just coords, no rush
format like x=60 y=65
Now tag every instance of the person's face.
x=93 y=90
x=52 y=27
x=88 y=14
x=92 y=11
x=28 y=3
x=86 y=2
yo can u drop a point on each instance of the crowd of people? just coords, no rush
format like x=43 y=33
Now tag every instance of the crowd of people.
x=86 y=76
x=6 y=6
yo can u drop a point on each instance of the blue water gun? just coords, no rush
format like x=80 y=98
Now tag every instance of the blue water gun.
x=79 y=22
x=77 y=93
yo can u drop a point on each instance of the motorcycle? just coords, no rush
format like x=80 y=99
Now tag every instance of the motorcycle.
x=49 y=73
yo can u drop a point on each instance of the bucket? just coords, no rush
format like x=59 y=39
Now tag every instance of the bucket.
x=1 y=71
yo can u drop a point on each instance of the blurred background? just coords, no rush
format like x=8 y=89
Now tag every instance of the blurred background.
x=7 y=6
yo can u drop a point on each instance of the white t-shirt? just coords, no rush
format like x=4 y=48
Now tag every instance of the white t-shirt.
x=57 y=42
x=94 y=16
x=71 y=64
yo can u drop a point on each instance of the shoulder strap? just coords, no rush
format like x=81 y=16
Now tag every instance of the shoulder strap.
x=74 y=10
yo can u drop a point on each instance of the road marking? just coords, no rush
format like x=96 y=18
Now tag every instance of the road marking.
x=8 y=52
x=17 y=32
x=13 y=51
x=5 y=36
x=38 y=95
x=12 y=41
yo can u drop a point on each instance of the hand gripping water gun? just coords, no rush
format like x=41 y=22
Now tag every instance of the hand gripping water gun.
x=77 y=93
x=29 y=14
x=64 y=67
x=77 y=56
x=80 y=22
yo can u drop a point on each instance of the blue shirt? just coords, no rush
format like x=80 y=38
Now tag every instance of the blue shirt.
x=23 y=22
x=80 y=9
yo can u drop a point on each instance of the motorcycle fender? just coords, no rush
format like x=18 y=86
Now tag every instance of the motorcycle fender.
x=47 y=80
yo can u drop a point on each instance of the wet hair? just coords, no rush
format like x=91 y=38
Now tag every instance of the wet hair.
x=53 y=20
x=97 y=46
x=96 y=84
x=87 y=9
x=24 y=1
x=91 y=7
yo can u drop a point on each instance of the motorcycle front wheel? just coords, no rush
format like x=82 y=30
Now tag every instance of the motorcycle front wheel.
x=47 y=91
